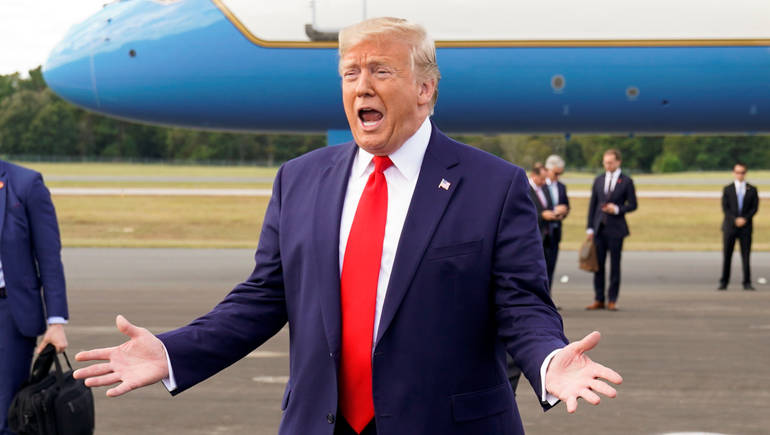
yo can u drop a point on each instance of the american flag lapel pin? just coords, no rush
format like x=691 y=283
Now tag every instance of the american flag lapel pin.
x=444 y=184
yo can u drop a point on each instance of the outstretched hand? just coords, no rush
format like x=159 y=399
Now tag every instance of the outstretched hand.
x=134 y=364
x=572 y=374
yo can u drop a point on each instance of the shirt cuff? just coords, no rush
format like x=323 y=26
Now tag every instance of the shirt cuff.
x=57 y=320
x=169 y=382
x=545 y=396
x=589 y=231
x=617 y=208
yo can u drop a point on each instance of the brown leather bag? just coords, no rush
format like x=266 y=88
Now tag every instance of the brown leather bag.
x=587 y=256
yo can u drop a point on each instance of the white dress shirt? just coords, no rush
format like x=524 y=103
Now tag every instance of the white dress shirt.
x=610 y=180
x=401 y=178
x=554 y=188
x=740 y=192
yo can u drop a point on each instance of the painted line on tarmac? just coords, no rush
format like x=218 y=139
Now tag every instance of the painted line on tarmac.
x=149 y=191
x=271 y=379
x=98 y=191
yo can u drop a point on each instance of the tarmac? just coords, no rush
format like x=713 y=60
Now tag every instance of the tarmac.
x=693 y=359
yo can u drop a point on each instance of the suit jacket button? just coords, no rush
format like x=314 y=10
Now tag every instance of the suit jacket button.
x=330 y=418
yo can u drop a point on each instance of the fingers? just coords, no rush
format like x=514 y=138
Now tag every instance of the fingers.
x=94 y=370
x=588 y=342
x=40 y=346
x=126 y=327
x=94 y=354
x=590 y=397
x=571 y=404
x=100 y=381
x=120 y=390
x=607 y=373
x=601 y=387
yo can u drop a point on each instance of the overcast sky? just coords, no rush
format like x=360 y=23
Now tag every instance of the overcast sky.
x=29 y=29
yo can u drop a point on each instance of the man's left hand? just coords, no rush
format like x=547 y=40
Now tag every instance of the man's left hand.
x=54 y=335
x=610 y=208
x=572 y=374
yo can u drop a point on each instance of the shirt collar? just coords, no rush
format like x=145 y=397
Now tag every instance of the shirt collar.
x=615 y=173
x=407 y=158
x=534 y=186
x=739 y=184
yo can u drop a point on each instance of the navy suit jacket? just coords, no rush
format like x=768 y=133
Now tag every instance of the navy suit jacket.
x=624 y=196
x=563 y=200
x=730 y=207
x=543 y=225
x=468 y=282
x=30 y=250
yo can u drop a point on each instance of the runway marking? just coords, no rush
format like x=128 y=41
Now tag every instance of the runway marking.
x=266 y=354
x=151 y=191
x=271 y=379
x=692 y=433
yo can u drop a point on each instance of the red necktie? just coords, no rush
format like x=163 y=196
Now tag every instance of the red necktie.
x=360 y=273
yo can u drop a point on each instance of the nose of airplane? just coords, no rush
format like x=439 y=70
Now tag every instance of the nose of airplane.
x=69 y=70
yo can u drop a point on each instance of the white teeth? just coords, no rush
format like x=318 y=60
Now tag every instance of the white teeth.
x=370 y=123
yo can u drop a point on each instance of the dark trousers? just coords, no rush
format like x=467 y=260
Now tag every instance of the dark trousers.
x=343 y=428
x=744 y=237
x=15 y=359
x=614 y=245
x=514 y=372
x=551 y=251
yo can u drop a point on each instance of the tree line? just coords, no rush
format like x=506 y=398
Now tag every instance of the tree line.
x=35 y=123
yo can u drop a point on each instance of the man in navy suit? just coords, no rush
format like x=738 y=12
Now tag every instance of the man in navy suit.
x=554 y=167
x=612 y=196
x=740 y=201
x=406 y=265
x=30 y=260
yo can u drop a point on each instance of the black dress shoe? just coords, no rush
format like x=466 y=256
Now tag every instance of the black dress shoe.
x=748 y=287
x=722 y=287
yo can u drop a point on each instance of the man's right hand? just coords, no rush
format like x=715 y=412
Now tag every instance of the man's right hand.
x=740 y=222
x=549 y=215
x=134 y=364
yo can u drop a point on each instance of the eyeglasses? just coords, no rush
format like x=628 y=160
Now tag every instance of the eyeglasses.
x=740 y=172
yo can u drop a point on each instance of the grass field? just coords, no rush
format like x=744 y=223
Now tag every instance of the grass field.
x=235 y=222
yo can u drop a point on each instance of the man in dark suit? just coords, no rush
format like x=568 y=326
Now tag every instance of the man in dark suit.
x=554 y=167
x=30 y=260
x=740 y=202
x=541 y=198
x=612 y=196
x=405 y=263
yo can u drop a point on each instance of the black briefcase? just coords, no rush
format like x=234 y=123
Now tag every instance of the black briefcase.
x=52 y=402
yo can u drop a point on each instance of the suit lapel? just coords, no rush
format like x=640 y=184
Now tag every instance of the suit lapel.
x=733 y=197
x=425 y=210
x=328 y=211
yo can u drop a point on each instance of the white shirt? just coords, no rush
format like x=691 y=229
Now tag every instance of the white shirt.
x=401 y=178
x=539 y=191
x=554 y=188
x=610 y=179
x=740 y=187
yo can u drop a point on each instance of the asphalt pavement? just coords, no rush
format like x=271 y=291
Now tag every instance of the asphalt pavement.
x=693 y=359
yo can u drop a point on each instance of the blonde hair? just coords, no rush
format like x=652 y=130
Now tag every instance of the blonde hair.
x=422 y=47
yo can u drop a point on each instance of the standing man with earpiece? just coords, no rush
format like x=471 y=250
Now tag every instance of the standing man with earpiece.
x=612 y=196
x=740 y=202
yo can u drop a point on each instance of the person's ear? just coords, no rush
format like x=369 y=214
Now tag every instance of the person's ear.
x=426 y=90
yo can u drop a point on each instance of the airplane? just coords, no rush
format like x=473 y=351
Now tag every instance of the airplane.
x=518 y=66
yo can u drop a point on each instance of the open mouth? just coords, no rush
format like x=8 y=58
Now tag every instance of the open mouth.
x=369 y=117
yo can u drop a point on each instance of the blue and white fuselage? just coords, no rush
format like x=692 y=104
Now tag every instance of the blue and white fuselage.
x=255 y=66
